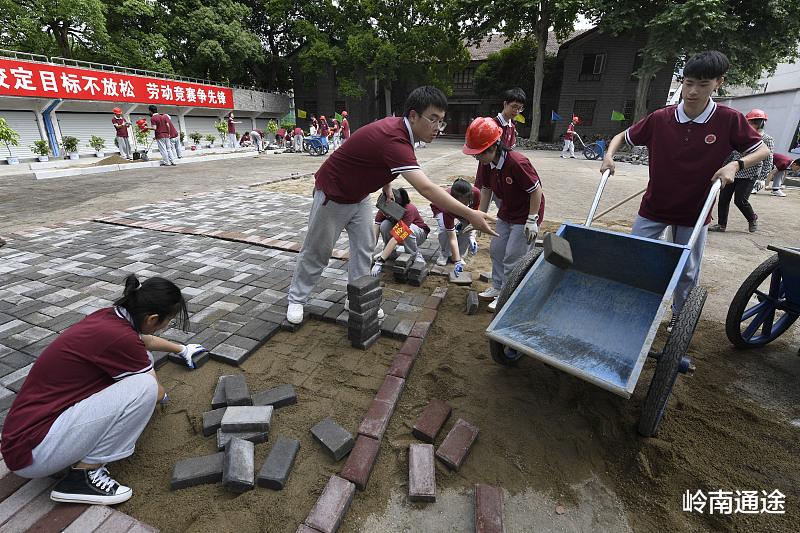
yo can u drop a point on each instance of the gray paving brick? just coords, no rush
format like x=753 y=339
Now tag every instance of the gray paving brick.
x=333 y=437
x=212 y=420
x=279 y=396
x=236 y=390
x=238 y=470
x=275 y=471
x=255 y=437
x=197 y=471
x=247 y=418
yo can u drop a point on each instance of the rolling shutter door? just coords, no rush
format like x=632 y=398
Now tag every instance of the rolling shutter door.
x=24 y=123
x=204 y=125
x=84 y=125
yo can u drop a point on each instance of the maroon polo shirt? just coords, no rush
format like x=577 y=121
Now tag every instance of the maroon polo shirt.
x=173 y=132
x=345 y=129
x=685 y=155
x=781 y=161
x=121 y=132
x=374 y=156
x=231 y=126
x=509 y=137
x=513 y=182
x=85 y=359
x=449 y=218
x=411 y=216
x=570 y=132
x=161 y=124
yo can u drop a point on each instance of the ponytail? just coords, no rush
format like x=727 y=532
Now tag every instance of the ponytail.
x=156 y=296
x=401 y=196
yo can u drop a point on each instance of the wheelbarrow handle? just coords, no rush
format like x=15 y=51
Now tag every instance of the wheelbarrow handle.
x=597 y=195
x=701 y=220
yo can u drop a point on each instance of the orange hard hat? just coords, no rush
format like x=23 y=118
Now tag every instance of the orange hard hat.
x=117 y=111
x=756 y=114
x=481 y=135
x=576 y=119
x=344 y=113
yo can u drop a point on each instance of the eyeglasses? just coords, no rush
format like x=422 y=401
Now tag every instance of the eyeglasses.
x=438 y=124
x=517 y=107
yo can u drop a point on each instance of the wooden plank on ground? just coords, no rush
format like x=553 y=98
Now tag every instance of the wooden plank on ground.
x=11 y=505
x=28 y=515
x=90 y=520
x=61 y=516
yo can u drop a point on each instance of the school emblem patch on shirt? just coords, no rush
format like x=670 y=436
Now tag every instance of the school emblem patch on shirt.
x=509 y=180
x=711 y=138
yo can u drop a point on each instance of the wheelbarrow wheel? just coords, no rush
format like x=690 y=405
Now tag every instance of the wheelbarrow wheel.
x=502 y=354
x=750 y=326
x=591 y=151
x=669 y=363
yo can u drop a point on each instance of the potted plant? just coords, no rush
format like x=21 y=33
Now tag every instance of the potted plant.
x=222 y=127
x=98 y=143
x=272 y=127
x=142 y=137
x=70 y=144
x=196 y=137
x=41 y=149
x=210 y=138
x=10 y=138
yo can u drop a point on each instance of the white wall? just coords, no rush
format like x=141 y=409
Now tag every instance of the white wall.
x=783 y=110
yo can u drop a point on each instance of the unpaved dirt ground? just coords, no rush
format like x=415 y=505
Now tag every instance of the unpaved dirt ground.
x=546 y=437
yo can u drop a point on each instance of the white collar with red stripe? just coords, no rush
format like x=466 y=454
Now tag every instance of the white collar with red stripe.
x=408 y=127
x=500 y=162
x=702 y=118
x=502 y=120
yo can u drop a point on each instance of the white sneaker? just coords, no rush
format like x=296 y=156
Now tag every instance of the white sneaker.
x=492 y=306
x=419 y=258
x=489 y=294
x=381 y=314
x=294 y=314
x=778 y=192
x=400 y=249
x=441 y=261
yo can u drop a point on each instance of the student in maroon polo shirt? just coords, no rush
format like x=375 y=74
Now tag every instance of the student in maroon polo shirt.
x=453 y=241
x=174 y=139
x=231 y=137
x=345 y=127
x=161 y=125
x=511 y=176
x=375 y=155
x=781 y=164
x=121 y=126
x=569 y=140
x=383 y=227
x=92 y=391
x=513 y=105
x=688 y=144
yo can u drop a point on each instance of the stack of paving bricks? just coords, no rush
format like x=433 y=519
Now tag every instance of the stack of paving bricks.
x=399 y=267
x=25 y=505
x=240 y=421
x=330 y=509
x=364 y=298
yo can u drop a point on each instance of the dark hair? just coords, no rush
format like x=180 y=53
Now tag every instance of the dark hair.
x=424 y=97
x=401 y=196
x=461 y=188
x=156 y=296
x=152 y=108
x=758 y=122
x=796 y=162
x=515 y=94
x=230 y=114
x=708 y=65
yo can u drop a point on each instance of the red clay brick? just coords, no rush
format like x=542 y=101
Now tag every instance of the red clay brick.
x=431 y=420
x=391 y=390
x=411 y=347
x=488 y=509
x=360 y=461
x=421 y=473
x=420 y=329
x=332 y=505
x=427 y=315
x=439 y=292
x=376 y=420
x=401 y=366
x=456 y=445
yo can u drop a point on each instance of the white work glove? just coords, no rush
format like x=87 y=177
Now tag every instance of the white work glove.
x=189 y=351
x=473 y=244
x=532 y=228
x=459 y=268
x=377 y=267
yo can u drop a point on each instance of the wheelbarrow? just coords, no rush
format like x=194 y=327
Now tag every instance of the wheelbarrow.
x=316 y=145
x=768 y=302
x=598 y=318
x=592 y=151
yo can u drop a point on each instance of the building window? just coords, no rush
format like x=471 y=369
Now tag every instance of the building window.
x=584 y=109
x=592 y=67
x=463 y=80
x=628 y=111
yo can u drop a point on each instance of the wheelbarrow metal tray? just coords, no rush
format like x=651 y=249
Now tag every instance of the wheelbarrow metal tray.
x=789 y=258
x=597 y=319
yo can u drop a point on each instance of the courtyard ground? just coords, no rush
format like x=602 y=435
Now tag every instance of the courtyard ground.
x=546 y=438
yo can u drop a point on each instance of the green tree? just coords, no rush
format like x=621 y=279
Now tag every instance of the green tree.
x=520 y=17
x=755 y=36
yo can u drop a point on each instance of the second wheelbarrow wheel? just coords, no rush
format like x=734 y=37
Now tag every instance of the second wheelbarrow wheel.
x=669 y=363
x=500 y=353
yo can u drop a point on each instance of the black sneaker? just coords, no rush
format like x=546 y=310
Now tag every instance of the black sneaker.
x=672 y=322
x=753 y=226
x=94 y=487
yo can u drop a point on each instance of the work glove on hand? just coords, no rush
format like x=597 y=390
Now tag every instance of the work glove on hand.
x=459 y=268
x=473 y=244
x=377 y=267
x=189 y=351
x=532 y=228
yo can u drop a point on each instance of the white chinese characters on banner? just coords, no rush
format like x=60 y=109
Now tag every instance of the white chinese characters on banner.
x=91 y=87
x=109 y=87
x=152 y=91
x=126 y=89
x=23 y=79
x=49 y=82
x=3 y=78
x=70 y=83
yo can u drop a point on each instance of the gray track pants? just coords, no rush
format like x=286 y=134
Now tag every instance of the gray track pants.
x=412 y=242
x=506 y=250
x=124 y=145
x=444 y=239
x=100 y=429
x=325 y=224
x=777 y=180
x=256 y=140
x=644 y=227
x=165 y=148
x=177 y=148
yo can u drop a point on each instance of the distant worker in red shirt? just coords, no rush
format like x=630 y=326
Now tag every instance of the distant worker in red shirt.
x=92 y=391
x=375 y=155
x=781 y=165
x=121 y=127
x=232 y=131
x=162 y=125
x=688 y=144
x=569 y=139
x=345 y=127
